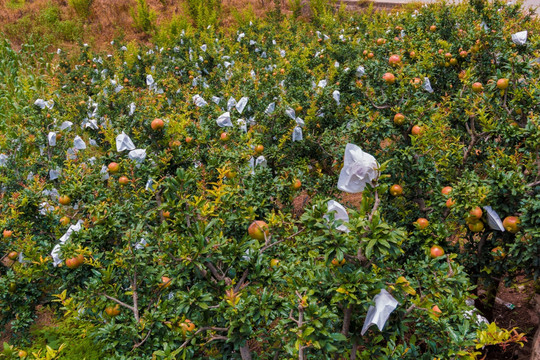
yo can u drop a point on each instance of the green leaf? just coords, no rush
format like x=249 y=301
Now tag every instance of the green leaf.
x=308 y=331
x=338 y=337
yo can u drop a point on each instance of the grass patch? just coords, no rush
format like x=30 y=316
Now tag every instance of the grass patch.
x=15 y=4
x=48 y=28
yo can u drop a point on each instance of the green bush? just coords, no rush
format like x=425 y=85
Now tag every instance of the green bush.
x=48 y=29
x=322 y=10
x=71 y=30
x=50 y=15
x=143 y=17
x=75 y=343
x=168 y=32
x=296 y=7
x=15 y=4
x=21 y=29
x=81 y=7
x=204 y=12
x=244 y=16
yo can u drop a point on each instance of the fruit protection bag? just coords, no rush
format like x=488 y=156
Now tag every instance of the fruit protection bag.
x=359 y=169
x=340 y=213
x=379 y=314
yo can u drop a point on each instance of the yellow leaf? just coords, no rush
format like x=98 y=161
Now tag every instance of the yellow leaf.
x=402 y=280
x=409 y=290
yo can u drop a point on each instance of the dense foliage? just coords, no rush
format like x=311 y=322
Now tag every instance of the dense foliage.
x=169 y=269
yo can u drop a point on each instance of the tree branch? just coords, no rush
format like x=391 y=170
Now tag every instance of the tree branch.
x=214 y=270
x=241 y=281
x=347 y=314
x=300 y=323
x=482 y=242
x=375 y=205
x=353 y=350
x=211 y=328
x=266 y=247
x=143 y=340
x=135 y=297
x=450 y=271
x=217 y=337
x=474 y=138
x=118 y=301
x=413 y=306
x=156 y=298
x=385 y=106
x=291 y=318
x=158 y=201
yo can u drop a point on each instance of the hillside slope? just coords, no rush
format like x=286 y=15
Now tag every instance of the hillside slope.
x=57 y=22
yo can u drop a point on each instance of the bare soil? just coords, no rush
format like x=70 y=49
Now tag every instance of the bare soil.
x=525 y=317
x=112 y=19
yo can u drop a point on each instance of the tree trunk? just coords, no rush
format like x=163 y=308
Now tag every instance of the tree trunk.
x=245 y=353
x=347 y=313
x=535 y=354
x=353 y=351
x=488 y=303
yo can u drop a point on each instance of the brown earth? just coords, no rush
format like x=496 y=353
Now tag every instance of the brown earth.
x=525 y=317
x=44 y=318
x=6 y=334
x=112 y=19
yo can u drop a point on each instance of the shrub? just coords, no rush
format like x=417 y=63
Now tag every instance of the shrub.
x=143 y=17
x=49 y=28
x=296 y=7
x=65 y=335
x=244 y=16
x=81 y=7
x=321 y=9
x=15 y=4
x=169 y=31
x=204 y=12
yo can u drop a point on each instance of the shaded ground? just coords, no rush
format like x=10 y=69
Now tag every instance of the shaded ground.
x=525 y=316
x=6 y=334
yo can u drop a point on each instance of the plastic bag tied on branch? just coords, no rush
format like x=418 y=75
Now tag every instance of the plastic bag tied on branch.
x=379 y=314
x=359 y=169
x=340 y=213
